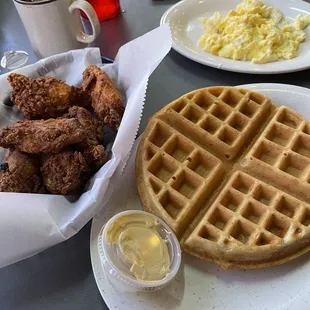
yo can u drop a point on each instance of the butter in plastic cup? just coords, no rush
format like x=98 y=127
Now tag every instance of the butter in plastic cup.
x=119 y=274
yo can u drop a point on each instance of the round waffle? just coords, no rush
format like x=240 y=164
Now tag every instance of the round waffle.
x=230 y=174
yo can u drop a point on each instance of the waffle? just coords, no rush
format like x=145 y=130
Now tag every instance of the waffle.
x=251 y=224
x=281 y=156
x=230 y=174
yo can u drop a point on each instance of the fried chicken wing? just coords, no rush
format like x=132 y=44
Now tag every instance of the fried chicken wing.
x=20 y=173
x=42 y=136
x=65 y=172
x=106 y=99
x=91 y=147
x=44 y=97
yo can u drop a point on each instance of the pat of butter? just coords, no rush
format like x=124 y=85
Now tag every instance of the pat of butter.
x=140 y=246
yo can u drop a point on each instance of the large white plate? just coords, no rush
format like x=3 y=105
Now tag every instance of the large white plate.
x=184 y=19
x=202 y=285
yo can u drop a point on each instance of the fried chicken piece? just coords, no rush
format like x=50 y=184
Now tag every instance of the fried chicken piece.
x=106 y=99
x=44 y=97
x=50 y=135
x=91 y=147
x=20 y=173
x=65 y=172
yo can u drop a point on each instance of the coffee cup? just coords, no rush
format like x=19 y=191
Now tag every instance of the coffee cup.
x=55 y=26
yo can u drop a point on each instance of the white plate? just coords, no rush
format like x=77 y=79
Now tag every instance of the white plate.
x=184 y=19
x=202 y=285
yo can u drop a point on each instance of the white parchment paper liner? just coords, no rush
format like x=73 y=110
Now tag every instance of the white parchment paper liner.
x=30 y=223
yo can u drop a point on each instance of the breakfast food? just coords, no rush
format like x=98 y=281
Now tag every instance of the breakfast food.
x=253 y=32
x=281 y=155
x=106 y=99
x=44 y=97
x=91 y=146
x=34 y=136
x=230 y=174
x=59 y=152
x=64 y=172
x=20 y=172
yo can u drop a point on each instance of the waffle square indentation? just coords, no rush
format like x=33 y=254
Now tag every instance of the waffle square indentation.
x=155 y=186
x=287 y=206
x=228 y=135
x=265 y=239
x=302 y=146
x=203 y=100
x=186 y=184
x=178 y=149
x=243 y=91
x=231 y=200
x=232 y=98
x=277 y=226
x=289 y=118
x=171 y=204
x=162 y=168
x=280 y=134
x=253 y=212
x=219 y=218
x=192 y=114
x=149 y=153
x=249 y=108
x=238 y=122
x=294 y=165
x=211 y=124
x=305 y=219
x=257 y=98
x=159 y=135
x=241 y=232
x=267 y=153
x=243 y=183
x=264 y=194
x=202 y=164
x=216 y=91
x=221 y=111
x=179 y=105
x=306 y=129
x=209 y=233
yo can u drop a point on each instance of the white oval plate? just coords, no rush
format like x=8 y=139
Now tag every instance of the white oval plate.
x=184 y=20
x=200 y=284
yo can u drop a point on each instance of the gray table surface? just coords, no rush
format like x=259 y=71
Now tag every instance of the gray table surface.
x=61 y=277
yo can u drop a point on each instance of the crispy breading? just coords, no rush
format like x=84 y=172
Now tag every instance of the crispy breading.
x=65 y=172
x=44 y=97
x=91 y=147
x=42 y=136
x=106 y=99
x=20 y=173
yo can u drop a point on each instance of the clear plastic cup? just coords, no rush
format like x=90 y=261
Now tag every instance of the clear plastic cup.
x=118 y=272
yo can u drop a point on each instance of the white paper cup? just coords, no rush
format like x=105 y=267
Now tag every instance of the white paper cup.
x=119 y=275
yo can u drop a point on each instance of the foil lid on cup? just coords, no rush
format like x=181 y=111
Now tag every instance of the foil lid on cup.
x=12 y=60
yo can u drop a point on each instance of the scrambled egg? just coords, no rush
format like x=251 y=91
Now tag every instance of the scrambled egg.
x=252 y=32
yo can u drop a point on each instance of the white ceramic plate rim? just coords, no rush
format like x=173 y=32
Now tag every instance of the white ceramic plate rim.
x=120 y=301
x=195 y=53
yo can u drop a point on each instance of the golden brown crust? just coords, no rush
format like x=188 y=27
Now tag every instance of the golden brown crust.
x=106 y=99
x=230 y=174
x=65 y=172
x=20 y=173
x=42 y=136
x=44 y=97
x=70 y=144
x=91 y=147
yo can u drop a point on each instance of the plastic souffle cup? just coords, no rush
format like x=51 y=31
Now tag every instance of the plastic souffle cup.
x=118 y=270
